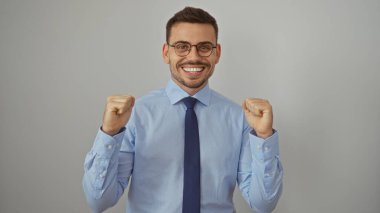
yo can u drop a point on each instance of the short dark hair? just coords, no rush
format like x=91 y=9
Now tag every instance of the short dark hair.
x=191 y=15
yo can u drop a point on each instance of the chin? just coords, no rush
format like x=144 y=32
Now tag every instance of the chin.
x=194 y=85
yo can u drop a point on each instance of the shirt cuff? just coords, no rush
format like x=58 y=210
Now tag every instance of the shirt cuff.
x=264 y=149
x=105 y=144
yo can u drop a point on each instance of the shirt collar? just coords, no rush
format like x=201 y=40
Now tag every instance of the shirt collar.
x=176 y=93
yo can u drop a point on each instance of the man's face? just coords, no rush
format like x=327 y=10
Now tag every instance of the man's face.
x=191 y=72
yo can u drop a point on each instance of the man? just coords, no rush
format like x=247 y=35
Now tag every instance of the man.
x=184 y=147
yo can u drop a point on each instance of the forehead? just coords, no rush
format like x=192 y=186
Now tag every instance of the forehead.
x=192 y=32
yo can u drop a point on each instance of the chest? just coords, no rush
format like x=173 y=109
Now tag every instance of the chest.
x=160 y=139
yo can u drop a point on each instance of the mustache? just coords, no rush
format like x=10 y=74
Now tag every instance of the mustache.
x=193 y=63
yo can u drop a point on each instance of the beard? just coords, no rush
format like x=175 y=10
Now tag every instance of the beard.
x=175 y=73
x=189 y=85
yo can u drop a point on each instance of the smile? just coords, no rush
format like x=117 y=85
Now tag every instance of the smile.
x=193 y=69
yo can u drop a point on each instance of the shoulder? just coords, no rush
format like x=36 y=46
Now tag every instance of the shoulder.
x=153 y=101
x=219 y=100
x=152 y=97
x=225 y=106
x=229 y=111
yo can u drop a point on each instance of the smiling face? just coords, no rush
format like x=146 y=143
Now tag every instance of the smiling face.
x=191 y=72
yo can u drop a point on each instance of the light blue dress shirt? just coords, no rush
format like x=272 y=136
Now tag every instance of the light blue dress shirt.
x=148 y=154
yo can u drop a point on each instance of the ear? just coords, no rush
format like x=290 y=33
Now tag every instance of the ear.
x=165 y=53
x=218 y=53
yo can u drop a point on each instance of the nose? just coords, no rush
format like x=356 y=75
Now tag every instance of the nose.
x=193 y=52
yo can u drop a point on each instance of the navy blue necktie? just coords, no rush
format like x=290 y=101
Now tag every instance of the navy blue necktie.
x=191 y=178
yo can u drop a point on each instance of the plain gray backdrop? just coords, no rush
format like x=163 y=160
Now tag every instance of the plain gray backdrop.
x=318 y=63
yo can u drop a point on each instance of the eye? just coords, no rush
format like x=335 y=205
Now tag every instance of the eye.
x=182 y=46
x=204 y=47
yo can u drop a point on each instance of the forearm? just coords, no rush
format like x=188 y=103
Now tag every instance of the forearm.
x=100 y=199
x=265 y=187
x=103 y=181
x=261 y=178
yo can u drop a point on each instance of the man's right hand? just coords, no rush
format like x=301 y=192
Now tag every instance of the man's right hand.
x=117 y=113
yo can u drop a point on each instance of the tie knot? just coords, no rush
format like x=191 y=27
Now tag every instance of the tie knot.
x=189 y=102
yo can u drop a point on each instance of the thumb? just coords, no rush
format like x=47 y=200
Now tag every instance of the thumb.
x=244 y=106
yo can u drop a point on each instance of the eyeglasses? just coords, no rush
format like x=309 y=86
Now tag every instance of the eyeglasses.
x=183 y=48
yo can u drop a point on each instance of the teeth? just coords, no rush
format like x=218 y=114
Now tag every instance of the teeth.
x=192 y=69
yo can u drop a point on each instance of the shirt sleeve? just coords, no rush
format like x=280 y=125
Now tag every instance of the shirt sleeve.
x=260 y=171
x=107 y=169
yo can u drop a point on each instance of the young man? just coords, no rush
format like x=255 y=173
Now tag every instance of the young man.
x=183 y=148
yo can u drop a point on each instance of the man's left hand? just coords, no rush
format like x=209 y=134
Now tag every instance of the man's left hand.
x=259 y=115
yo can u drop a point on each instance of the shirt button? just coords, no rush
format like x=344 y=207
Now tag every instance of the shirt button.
x=270 y=174
x=103 y=174
x=109 y=146
x=266 y=149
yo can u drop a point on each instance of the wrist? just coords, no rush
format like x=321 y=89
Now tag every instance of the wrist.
x=265 y=135
x=109 y=131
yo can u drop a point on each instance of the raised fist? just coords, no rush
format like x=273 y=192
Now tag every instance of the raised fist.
x=259 y=115
x=117 y=113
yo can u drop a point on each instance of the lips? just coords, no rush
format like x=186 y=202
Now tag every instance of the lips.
x=193 y=69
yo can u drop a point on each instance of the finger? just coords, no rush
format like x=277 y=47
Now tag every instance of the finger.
x=129 y=100
x=261 y=105
x=118 y=108
x=250 y=108
x=244 y=106
x=257 y=99
x=259 y=108
x=255 y=110
x=133 y=102
x=250 y=104
x=114 y=106
x=119 y=97
x=265 y=107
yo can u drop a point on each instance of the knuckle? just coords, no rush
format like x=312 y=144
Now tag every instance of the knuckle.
x=108 y=104
x=124 y=100
x=110 y=107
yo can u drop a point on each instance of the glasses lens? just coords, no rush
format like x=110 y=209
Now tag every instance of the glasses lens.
x=182 y=49
x=204 y=49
